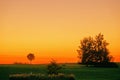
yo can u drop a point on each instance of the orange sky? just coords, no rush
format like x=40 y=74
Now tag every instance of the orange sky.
x=54 y=28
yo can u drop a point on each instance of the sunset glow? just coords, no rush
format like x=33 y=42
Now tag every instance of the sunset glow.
x=52 y=29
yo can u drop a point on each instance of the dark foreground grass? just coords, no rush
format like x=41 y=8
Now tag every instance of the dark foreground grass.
x=81 y=72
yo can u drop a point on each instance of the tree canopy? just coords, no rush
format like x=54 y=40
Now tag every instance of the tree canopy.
x=94 y=50
x=30 y=57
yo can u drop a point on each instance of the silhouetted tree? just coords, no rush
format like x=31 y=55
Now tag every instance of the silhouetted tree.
x=30 y=57
x=53 y=67
x=94 y=50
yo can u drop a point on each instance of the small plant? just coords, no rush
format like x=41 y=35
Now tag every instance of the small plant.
x=53 y=67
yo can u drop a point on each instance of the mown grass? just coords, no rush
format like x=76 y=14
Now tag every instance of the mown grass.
x=81 y=72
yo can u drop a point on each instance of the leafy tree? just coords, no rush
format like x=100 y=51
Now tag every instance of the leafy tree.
x=30 y=57
x=53 y=67
x=94 y=50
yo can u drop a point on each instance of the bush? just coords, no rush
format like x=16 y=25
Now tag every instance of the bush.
x=53 y=67
x=24 y=76
x=41 y=77
x=108 y=65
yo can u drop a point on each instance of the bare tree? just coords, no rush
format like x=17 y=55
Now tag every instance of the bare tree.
x=30 y=57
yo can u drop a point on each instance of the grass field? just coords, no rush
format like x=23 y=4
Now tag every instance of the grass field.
x=81 y=72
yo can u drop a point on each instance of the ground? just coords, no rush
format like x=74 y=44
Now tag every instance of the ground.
x=81 y=72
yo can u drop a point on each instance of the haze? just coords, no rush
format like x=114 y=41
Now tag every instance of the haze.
x=54 y=28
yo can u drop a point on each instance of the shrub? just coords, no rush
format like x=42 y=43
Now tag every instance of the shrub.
x=24 y=76
x=53 y=67
x=41 y=77
x=108 y=65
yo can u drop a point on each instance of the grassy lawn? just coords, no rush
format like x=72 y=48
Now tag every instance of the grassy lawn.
x=81 y=72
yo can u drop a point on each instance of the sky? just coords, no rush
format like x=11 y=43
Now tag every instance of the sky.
x=52 y=29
